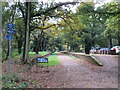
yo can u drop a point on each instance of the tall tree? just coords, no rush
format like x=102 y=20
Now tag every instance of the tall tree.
x=89 y=19
x=27 y=32
x=39 y=13
x=112 y=30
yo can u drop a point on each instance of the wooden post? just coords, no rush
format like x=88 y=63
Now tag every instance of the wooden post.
x=36 y=66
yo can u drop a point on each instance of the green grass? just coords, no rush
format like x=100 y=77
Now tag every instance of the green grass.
x=31 y=53
x=14 y=53
x=41 y=53
x=52 y=61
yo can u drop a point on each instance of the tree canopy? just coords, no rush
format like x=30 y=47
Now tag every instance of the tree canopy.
x=54 y=26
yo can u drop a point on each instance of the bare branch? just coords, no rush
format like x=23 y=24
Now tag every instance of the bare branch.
x=67 y=23
x=20 y=7
x=46 y=27
x=53 y=8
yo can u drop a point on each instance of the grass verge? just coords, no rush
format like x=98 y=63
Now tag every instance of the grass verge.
x=52 y=61
x=41 y=53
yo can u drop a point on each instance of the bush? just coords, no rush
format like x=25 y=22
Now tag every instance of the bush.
x=11 y=77
x=12 y=80
x=14 y=53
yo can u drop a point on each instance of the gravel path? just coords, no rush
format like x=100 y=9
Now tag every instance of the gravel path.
x=81 y=74
x=73 y=73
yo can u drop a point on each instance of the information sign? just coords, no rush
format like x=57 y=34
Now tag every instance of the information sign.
x=10 y=30
x=8 y=37
x=10 y=27
x=42 y=60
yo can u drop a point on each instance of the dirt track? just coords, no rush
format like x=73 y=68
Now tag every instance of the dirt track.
x=73 y=73
x=81 y=74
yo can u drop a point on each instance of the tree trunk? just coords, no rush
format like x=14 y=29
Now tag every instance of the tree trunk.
x=118 y=41
x=87 y=49
x=44 y=44
x=38 y=47
x=87 y=46
x=111 y=43
x=26 y=42
x=42 y=41
x=19 y=46
x=35 y=42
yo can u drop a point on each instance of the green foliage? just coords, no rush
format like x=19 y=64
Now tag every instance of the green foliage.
x=14 y=53
x=30 y=53
x=112 y=29
x=89 y=33
x=37 y=86
x=10 y=77
x=100 y=27
x=12 y=80
x=56 y=29
x=85 y=7
x=55 y=44
x=22 y=85
x=41 y=53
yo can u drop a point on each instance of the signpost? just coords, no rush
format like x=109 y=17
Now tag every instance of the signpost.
x=40 y=60
x=10 y=32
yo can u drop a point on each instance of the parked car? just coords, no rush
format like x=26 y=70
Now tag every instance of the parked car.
x=94 y=50
x=104 y=51
x=115 y=50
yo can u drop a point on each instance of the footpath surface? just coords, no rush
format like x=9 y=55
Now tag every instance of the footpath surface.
x=72 y=73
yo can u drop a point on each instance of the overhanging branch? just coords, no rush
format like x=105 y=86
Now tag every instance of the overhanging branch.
x=46 y=27
x=98 y=12
x=53 y=8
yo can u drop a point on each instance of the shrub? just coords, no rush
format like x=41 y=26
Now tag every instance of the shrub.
x=11 y=77
x=12 y=80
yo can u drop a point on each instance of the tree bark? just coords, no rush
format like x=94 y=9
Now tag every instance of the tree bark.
x=111 y=43
x=118 y=41
x=39 y=42
x=19 y=46
x=27 y=31
x=87 y=46
x=87 y=49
